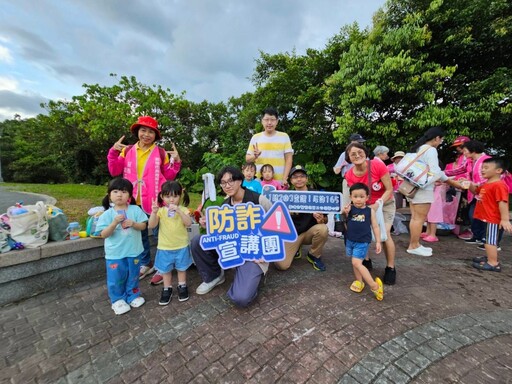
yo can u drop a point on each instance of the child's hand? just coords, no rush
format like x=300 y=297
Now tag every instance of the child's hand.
x=346 y=208
x=202 y=220
x=505 y=224
x=127 y=223
x=154 y=205
x=378 y=247
x=119 y=218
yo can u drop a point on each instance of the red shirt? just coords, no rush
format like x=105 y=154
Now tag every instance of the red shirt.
x=488 y=197
x=377 y=189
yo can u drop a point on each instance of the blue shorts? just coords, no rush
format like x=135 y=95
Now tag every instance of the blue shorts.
x=493 y=234
x=355 y=249
x=167 y=260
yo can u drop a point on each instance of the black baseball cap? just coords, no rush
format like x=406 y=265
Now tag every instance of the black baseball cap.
x=356 y=137
x=298 y=168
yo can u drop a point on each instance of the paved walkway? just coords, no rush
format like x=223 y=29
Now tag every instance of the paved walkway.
x=442 y=322
x=9 y=198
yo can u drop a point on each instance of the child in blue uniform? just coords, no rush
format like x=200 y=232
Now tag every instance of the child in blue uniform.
x=361 y=219
x=121 y=225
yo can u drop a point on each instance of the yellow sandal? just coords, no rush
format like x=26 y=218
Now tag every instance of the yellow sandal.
x=379 y=292
x=357 y=286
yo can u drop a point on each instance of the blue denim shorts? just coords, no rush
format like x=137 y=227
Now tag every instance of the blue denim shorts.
x=355 y=249
x=179 y=259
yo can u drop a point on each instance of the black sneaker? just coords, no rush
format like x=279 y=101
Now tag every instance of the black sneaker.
x=389 y=276
x=182 y=293
x=482 y=247
x=368 y=264
x=166 y=296
x=298 y=254
x=473 y=240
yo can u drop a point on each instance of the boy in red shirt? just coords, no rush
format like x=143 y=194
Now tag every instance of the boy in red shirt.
x=492 y=209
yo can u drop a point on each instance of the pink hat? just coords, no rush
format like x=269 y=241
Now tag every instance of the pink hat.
x=460 y=140
x=146 y=121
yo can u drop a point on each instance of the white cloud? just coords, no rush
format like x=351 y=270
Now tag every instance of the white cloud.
x=206 y=48
x=5 y=55
x=8 y=84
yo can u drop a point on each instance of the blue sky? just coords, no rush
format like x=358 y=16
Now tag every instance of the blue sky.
x=207 y=48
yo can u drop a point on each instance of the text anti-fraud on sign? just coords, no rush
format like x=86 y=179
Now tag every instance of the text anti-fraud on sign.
x=245 y=232
x=307 y=201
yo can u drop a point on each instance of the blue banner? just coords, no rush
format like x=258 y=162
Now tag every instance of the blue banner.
x=308 y=201
x=245 y=232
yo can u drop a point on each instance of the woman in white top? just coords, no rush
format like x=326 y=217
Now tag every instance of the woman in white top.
x=420 y=203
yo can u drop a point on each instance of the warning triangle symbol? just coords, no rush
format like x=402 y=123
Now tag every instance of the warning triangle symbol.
x=278 y=220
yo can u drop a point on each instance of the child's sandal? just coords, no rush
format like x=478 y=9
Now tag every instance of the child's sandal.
x=485 y=266
x=379 y=292
x=357 y=286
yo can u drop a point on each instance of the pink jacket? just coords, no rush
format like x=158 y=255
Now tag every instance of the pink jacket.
x=476 y=173
x=153 y=176
x=461 y=168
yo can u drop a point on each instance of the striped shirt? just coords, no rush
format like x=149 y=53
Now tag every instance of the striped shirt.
x=273 y=149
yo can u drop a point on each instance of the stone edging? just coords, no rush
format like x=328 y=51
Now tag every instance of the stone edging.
x=405 y=357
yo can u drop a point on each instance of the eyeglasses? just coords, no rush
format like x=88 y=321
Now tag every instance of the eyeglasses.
x=357 y=154
x=269 y=120
x=299 y=175
x=229 y=183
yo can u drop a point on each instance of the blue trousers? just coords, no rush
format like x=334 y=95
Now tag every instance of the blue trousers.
x=123 y=279
x=247 y=276
x=478 y=227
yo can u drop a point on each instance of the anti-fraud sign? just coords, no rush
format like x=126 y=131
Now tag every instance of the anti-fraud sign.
x=245 y=232
x=307 y=201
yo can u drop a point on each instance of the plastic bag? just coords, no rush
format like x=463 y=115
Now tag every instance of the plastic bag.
x=58 y=222
x=29 y=224
x=380 y=221
x=398 y=224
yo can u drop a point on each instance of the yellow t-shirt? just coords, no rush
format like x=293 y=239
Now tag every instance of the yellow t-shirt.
x=273 y=148
x=172 y=234
x=142 y=159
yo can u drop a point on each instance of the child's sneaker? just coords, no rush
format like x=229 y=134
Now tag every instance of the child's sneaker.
x=182 y=293
x=120 y=307
x=482 y=247
x=379 y=292
x=166 y=296
x=137 y=302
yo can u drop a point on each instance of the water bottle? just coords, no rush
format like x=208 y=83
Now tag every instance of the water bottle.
x=74 y=230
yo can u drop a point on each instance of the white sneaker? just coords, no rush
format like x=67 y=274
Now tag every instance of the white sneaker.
x=120 y=307
x=420 y=251
x=207 y=287
x=137 y=302
x=145 y=270
x=426 y=248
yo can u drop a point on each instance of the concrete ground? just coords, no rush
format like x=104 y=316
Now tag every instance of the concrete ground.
x=443 y=321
